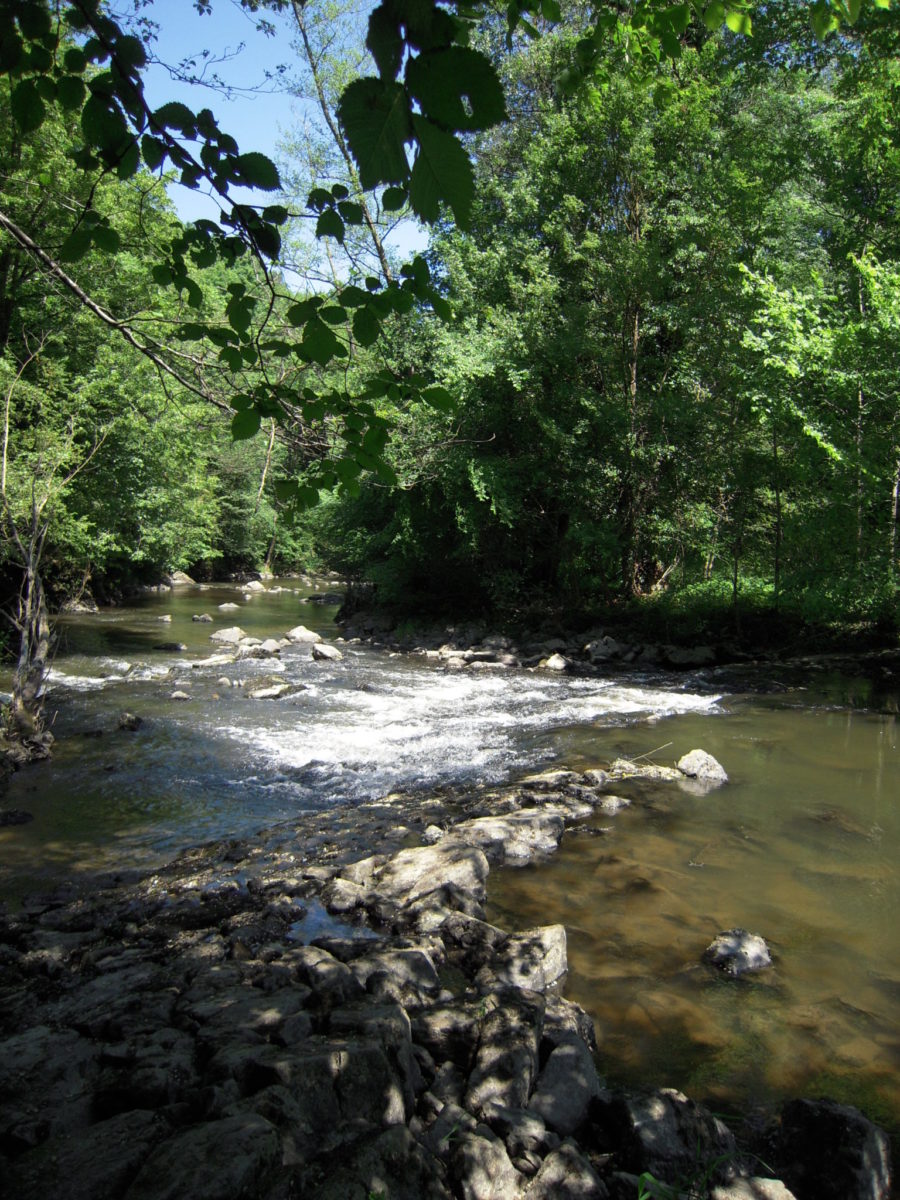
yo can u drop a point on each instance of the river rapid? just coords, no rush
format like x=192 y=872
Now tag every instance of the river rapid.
x=801 y=846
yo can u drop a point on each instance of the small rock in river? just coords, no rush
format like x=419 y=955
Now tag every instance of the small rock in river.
x=129 y=722
x=204 y=618
x=700 y=765
x=180 y=696
x=736 y=951
x=15 y=816
x=555 y=662
x=301 y=634
x=324 y=651
x=230 y=636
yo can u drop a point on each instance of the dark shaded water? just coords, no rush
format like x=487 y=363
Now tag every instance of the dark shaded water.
x=801 y=846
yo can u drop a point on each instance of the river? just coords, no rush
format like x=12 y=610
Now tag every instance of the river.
x=801 y=846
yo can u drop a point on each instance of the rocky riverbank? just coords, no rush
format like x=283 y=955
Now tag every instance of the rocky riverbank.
x=323 y=1012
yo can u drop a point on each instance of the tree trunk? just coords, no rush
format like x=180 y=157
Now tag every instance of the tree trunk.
x=26 y=709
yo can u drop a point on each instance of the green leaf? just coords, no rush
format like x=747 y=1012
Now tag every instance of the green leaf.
x=441 y=172
x=130 y=51
x=714 y=15
x=276 y=214
x=175 y=116
x=551 y=11
x=319 y=344
x=257 y=171
x=854 y=7
x=670 y=43
x=34 y=20
x=739 y=22
x=267 y=239
x=333 y=314
x=239 y=312
x=442 y=308
x=106 y=238
x=376 y=120
x=384 y=42
x=245 y=424
x=352 y=213
x=330 y=224
x=103 y=126
x=386 y=473
x=27 y=106
x=319 y=199
x=339 y=192
x=161 y=274
x=366 y=327
x=232 y=358
x=74 y=60
x=285 y=490
x=129 y=161
x=353 y=297
x=298 y=314
x=393 y=199
x=457 y=88
x=70 y=91
x=76 y=245
x=438 y=397
x=46 y=87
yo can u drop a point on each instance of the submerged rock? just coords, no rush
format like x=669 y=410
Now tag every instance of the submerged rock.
x=14 y=816
x=736 y=952
x=129 y=722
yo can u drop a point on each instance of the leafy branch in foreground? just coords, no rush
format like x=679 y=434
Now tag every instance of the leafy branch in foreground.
x=404 y=128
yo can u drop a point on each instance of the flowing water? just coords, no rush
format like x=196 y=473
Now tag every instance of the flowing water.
x=801 y=846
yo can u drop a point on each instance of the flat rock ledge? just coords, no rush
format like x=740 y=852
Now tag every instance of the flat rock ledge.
x=323 y=1013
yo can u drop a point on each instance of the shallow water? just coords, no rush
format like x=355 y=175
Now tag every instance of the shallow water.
x=801 y=846
x=220 y=764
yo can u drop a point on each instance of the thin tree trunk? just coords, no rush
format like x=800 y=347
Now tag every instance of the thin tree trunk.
x=895 y=517
x=778 y=519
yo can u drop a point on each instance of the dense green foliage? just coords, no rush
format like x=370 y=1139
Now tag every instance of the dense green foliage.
x=675 y=346
x=654 y=354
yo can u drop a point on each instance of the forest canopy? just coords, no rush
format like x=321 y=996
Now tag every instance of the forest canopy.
x=652 y=350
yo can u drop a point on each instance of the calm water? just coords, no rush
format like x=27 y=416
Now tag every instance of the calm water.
x=800 y=847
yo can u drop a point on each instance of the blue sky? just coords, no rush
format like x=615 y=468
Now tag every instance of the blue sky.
x=258 y=114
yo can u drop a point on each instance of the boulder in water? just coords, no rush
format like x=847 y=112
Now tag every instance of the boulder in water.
x=736 y=952
x=231 y=636
x=555 y=662
x=129 y=722
x=301 y=634
x=203 y=618
x=326 y=653
x=697 y=764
